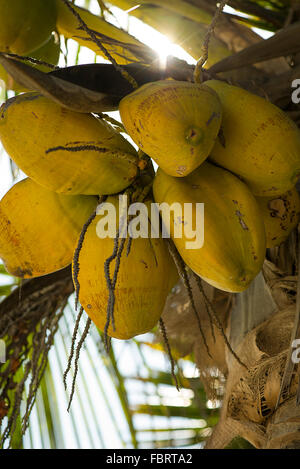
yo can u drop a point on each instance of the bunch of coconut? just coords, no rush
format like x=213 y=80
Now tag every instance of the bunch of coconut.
x=228 y=160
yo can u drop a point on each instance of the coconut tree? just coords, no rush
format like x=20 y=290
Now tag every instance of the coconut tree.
x=244 y=344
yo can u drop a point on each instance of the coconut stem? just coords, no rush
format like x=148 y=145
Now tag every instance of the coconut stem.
x=78 y=349
x=77 y=253
x=75 y=331
x=184 y=276
x=210 y=307
x=93 y=36
x=32 y=60
x=166 y=342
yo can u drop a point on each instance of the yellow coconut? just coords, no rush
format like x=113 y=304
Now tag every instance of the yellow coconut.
x=48 y=53
x=281 y=215
x=65 y=151
x=25 y=25
x=259 y=142
x=234 y=237
x=39 y=228
x=174 y=122
x=144 y=280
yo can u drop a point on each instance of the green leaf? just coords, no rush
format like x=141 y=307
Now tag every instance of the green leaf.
x=5 y=290
x=3 y=271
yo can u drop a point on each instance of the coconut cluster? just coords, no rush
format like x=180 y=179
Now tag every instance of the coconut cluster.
x=216 y=146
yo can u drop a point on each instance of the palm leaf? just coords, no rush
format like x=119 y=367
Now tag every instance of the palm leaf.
x=119 y=45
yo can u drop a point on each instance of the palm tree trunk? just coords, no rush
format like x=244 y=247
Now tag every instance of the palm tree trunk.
x=260 y=328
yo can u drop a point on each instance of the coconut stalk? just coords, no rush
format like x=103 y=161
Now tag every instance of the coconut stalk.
x=258 y=325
